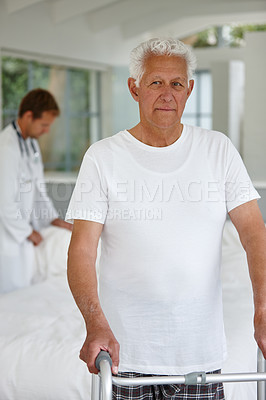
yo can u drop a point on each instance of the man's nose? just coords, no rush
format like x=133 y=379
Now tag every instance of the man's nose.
x=166 y=94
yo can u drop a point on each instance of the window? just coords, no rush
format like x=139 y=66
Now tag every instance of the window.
x=230 y=35
x=77 y=92
x=198 y=109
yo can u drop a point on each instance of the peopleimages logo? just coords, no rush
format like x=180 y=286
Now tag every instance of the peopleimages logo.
x=58 y=192
x=140 y=191
x=121 y=214
x=29 y=214
x=163 y=191
x=136 y=214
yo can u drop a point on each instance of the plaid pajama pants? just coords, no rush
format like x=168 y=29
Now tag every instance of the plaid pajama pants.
x=209 y=391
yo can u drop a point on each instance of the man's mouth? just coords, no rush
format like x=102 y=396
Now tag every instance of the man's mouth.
x=164 y=109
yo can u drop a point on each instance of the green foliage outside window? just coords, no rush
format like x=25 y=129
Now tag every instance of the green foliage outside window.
x=206 y=38
x=238 y=32
x=14 y=86
x=227 y=35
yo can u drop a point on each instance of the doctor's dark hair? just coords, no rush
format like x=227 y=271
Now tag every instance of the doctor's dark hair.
x=38 y=101
x=160 y=47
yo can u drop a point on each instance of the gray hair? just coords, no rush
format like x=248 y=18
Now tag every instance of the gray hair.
x=159 y=47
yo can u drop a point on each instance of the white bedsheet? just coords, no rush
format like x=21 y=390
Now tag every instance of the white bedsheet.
x=42 y=331
x=51 y=254
x=39 y=345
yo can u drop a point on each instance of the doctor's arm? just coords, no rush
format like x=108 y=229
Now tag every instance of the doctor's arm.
x=12 y=215
x=60 y=223
x=249 y=223
x=43 y=200
x=82 y=278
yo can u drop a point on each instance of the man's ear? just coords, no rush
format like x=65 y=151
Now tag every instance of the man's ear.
x=28 y=115
x=191 y=86
x=133 y=88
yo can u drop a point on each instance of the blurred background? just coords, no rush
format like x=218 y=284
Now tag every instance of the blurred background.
x=79 y=50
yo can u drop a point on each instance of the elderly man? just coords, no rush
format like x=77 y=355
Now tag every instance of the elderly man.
x=158 y=195
x=25 y=207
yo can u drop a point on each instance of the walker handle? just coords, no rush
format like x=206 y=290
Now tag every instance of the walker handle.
x=103 y=388
x=103 y=355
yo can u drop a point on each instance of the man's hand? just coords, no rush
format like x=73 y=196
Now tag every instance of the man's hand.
x=35 y=238
x=260 y=329
x=62 y=224
x=100 y=338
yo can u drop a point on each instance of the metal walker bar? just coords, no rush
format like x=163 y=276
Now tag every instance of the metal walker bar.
x=102 y=383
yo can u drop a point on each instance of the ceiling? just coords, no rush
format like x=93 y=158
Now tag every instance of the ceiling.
x=105 y=31
x=137 y=17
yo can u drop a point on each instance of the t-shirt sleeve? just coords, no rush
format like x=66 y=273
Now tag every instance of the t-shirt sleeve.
x=238 y=185
x=89 y=198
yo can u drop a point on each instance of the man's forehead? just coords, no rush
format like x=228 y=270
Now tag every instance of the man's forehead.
x=164 y=61
x=45 y=117
x=164 y=58
x=157 y=66
x=162 y=76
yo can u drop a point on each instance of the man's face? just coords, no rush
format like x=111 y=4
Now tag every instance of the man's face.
x=163 y=91
x=37 y=127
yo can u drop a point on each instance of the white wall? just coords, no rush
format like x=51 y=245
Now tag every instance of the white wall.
x=220 y=84
x=254 y=138
x=125 y=109
x=236 y=102
x=228 y=98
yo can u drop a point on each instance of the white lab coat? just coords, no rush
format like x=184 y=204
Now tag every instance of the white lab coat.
x=24 y=206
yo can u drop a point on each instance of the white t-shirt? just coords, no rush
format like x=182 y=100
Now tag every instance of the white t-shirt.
x=163 y=210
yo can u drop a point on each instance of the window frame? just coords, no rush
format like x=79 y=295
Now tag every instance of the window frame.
x=68 y=64
x=198 y=115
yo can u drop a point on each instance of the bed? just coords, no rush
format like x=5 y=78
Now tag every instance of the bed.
x=42 y=330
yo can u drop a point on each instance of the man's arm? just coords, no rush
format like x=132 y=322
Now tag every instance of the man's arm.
x=82 y=280
x=249 y=223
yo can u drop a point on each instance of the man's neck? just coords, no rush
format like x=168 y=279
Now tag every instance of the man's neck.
x=21 y=128
x=156 y=137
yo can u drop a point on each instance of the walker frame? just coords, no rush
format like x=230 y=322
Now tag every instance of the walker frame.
x=102 y=383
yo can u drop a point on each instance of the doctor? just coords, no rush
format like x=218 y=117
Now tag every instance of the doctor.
x=25 y=207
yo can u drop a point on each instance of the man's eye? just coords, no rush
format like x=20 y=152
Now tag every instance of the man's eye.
x=156 y=83
x=177 y=84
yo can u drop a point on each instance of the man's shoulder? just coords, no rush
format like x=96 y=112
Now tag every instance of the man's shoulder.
x=204 y=135
x=9 y=149
x=8 y=139
x=107 y=144
x=6 y=131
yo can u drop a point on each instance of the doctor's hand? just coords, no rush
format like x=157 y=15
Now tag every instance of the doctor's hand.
x=35 y=238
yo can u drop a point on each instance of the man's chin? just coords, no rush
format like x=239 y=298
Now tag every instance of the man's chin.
x=164 y=125
x=36 y=135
